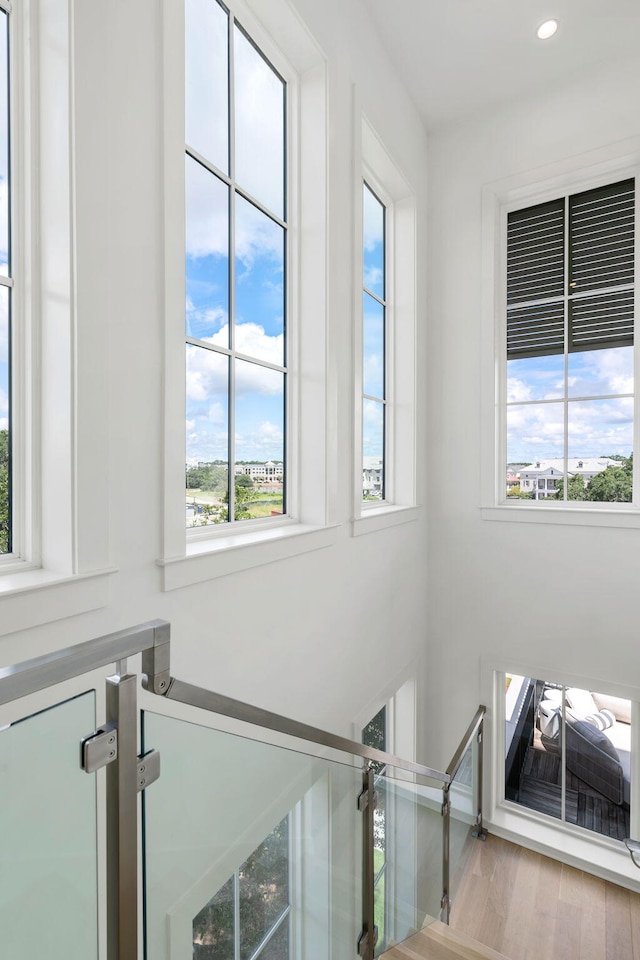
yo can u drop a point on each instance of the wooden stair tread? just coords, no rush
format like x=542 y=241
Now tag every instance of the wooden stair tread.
x=440 y=942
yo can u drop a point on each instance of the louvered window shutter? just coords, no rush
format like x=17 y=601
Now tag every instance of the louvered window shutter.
x=601 y=249
x=600 y=260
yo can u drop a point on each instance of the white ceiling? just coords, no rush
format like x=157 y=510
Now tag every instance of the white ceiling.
x=460 y=56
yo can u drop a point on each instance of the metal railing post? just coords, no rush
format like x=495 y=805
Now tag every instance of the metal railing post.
x=367 y=804
x=480 y=833
x=122 y=822
x=445 y=903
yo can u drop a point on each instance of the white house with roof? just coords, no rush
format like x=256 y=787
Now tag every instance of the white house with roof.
x=542 y=476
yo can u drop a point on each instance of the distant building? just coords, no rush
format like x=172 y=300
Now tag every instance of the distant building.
x=541 y=477
x=372 y=477
x=267 y=472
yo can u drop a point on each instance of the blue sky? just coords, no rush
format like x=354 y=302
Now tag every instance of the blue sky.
x=257 y=327
x=596 y=426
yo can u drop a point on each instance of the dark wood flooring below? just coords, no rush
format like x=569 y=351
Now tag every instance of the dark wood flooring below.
x=540 y=789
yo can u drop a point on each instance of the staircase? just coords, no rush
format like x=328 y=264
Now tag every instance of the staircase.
x=440 y=942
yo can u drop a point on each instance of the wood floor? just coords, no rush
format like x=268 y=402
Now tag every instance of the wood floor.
x=529 y=907
x=439 y=942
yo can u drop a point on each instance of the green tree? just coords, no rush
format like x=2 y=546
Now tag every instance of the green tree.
x=4 y=491
x=242 y=493
x=576 y=489
x=614 y=484
x=245 y=481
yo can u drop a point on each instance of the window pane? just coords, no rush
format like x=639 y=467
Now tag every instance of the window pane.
x=373 y=347
x=259 y=312
x=207 y=436
x=213 y=928
x=4 y=146
x=278 y=947
x=536 y=378
x=373 y=243
x=601 y=441
x=4 y=421
x=601 y=428
x=207 y=93
x=598 y=372
x=207 y=263
x=264 y=888
x=372 y=450
x=535 y=432
x=259 y=487
x=533 y=766
x=259 y=126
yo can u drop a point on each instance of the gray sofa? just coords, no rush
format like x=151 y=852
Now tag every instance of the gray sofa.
x=601 y=758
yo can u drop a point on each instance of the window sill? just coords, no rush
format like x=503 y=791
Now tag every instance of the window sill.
x=606 y=858
x=57 y=597
x=598 y=517
x=380 y=518
x=220 y=556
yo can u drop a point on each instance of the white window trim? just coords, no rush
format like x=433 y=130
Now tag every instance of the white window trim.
x=217 y=550
x=374 y=165
x=576 y=846
x=595 y=169
x=60 y=540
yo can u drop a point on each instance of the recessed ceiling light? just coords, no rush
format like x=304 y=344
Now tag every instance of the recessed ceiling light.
x=547 y=29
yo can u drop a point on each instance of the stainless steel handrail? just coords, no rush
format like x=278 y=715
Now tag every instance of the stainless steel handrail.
x=463 y=746
x=28 y=677
x=238 y=710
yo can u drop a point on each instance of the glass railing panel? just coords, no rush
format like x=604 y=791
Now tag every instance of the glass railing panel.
x=408 y=852
x=462 y=817
x=252 y=851
x=48 y=858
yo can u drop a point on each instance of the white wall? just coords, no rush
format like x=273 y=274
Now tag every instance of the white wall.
x=318 y=636
x=576 y=610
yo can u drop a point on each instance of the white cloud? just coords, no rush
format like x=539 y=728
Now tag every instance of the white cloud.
x=518 y=391
x=259 y=125
x=208 y=319
x=596 y=428
x=207 y=369
x=4 y=423
x=373 y=277
x=4 y=402
x=264 y=442
x=206 y=28
x=207 y=213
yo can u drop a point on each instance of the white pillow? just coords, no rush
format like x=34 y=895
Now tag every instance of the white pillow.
x=581 y=702
x=603 y=719
x=621 y=709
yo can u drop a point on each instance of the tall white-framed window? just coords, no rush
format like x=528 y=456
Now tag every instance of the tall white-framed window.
x=236 y=263
x=6 y=291
x=255 y=451
x=385 y=339
x=563 y=306
x=374 y=346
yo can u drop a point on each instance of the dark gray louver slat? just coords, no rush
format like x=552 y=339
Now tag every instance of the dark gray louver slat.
x=601 y=237
x=601 y=256
x=605 y=320
x=535 y=331
x=535 y=252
